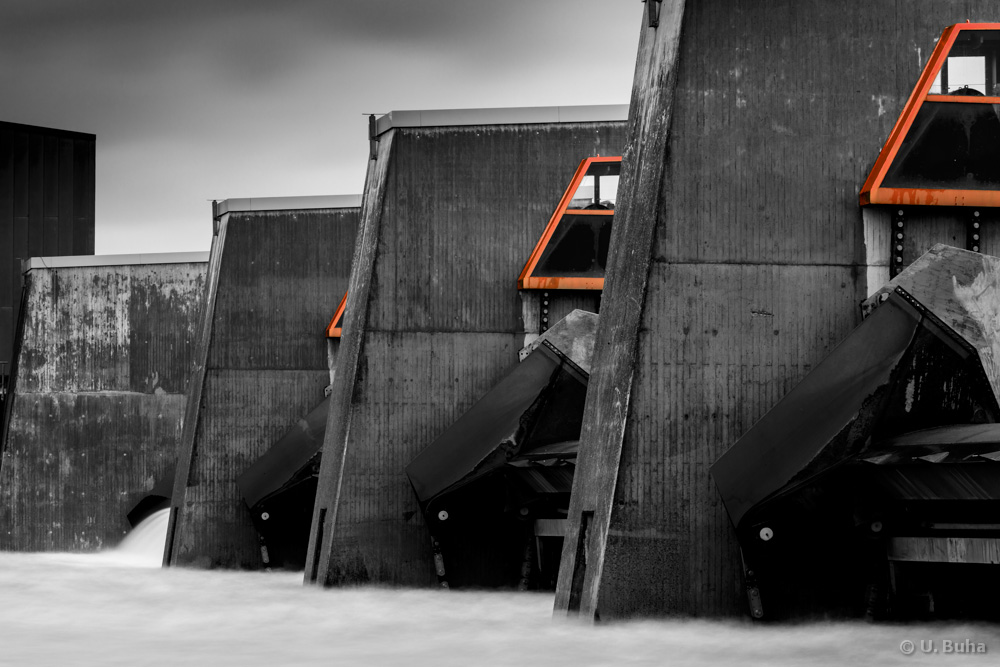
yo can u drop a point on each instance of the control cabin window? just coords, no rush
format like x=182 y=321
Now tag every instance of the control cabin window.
x=945 y=147
x=971 y=65
x=573 y=251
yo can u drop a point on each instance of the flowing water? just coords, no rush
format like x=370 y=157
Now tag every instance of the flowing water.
x=120 y=608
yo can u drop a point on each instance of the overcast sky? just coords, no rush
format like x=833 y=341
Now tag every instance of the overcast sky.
x=194 y=101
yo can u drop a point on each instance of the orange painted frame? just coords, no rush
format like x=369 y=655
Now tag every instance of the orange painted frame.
x=529 y=281
x=333 y=329
x=872 y=191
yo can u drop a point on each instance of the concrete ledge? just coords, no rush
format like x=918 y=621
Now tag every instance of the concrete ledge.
x=288 y=203
x=501 y=116
x=112 y=260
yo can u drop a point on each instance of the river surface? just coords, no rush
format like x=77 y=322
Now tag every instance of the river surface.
x=118 y=608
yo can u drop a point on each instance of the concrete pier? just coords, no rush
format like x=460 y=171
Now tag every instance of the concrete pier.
x=279 y=268
x=103 y=360
x=454 y=203
x=738 y=259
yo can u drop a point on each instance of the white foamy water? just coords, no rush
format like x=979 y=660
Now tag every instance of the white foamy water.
x=143 y=546
x=110 y=609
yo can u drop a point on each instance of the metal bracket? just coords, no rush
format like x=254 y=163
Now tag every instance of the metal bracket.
x=653 y=13
x=439 y=568
x=973 y=232
x=215 y=217
x=372 y=138
x=543 y=313
x=898 y=236
x=264 y=555
x=753 y=591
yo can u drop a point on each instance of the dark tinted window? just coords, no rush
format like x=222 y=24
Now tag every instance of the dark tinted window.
x=950 y=145
x=578 y=248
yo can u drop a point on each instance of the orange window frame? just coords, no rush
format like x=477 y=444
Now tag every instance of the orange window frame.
x=527 y=279
x=872 y=191
x=333 y=329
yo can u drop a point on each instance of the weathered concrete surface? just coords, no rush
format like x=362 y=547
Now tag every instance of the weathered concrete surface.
x=758 y=260
x=275 y=278
x=433 y=320
x=99 y=400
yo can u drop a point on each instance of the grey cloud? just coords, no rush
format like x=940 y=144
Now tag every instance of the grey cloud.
x=249 y=97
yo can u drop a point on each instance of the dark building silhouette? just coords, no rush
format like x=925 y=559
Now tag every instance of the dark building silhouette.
x=46 y=209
